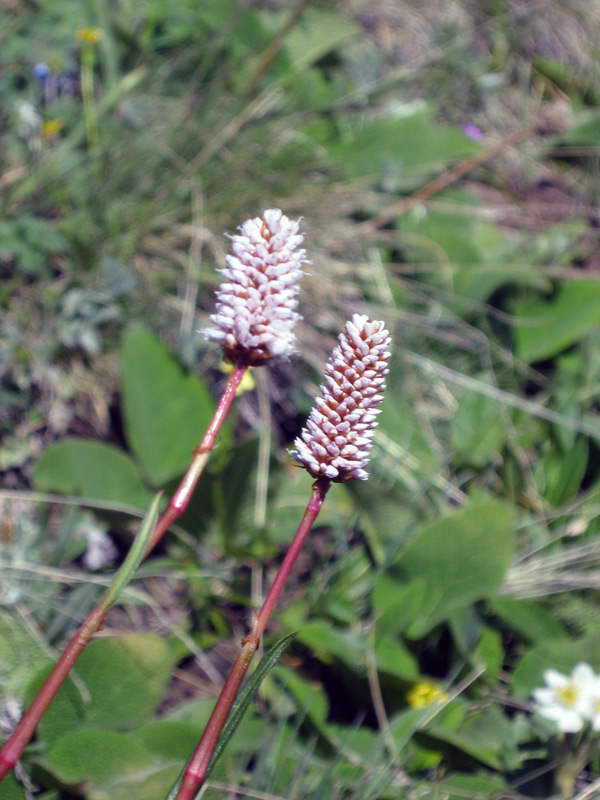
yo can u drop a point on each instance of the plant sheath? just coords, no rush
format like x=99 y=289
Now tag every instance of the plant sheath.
x=197 y=768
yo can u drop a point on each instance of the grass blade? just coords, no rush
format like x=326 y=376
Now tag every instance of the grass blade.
x=247 y=694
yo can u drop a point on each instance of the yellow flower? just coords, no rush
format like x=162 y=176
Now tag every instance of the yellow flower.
x=51 y=128
x=88 y=35
x=424 y=694
x=248 y=383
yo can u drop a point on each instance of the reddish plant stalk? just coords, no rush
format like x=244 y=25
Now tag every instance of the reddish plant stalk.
x=19 y=739
x=197 y=767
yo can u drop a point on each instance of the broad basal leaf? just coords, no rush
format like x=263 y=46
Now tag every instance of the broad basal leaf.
x=545 y=327
x=462 y=557
x=91 y=469
x=166 y=409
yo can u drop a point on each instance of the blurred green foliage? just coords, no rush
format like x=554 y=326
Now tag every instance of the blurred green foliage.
x=469 y=561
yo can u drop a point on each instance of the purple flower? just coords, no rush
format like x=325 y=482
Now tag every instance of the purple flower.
x=256 y=304
x=338 y=436
x=472 y=131
x=40 y=72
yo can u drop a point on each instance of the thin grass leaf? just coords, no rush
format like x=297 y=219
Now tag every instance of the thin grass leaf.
x=247 y=694
x=135 y=554
x=243 y=700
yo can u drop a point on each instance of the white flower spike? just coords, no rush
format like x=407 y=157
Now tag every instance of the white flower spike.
x=338 y=436
x=256 y=303
x=567 y=701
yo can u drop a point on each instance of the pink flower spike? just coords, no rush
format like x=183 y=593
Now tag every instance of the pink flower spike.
x=337 y=438
x=256 y=303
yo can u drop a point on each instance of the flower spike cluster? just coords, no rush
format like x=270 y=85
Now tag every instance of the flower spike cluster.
x=338 y=436
x=256 y=303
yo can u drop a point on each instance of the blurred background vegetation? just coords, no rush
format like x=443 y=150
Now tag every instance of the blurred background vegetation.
x=444 y=158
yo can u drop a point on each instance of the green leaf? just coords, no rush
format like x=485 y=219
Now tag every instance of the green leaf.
x=478 y=429
x=561 y=655
x=134 y=556
x=195 y=713
x=559 y=474
x=11 y=790
x=290 y=501
x=126 y=677
x=320 y=31
x=241 y=703
x=346 y=595
x=310 y=699
x=91 y=469
x=397 y=603
x=247 y=693
x=489 y=653
x=466 y=626
x=111 y=763
x=469 y=785
x=328 y=642
x=406 y=723
x=545 y=327
x=119 y=683
x=21 y=656
x=475 y=257
x=169 y=739
x=166 y=409
x=66 y=712
x=482 y=735
x=363 y=741
x=403 y=146
x=462 y=557
x=404 y=449
x=394 y=659
x=588 y=132
x=530 y=619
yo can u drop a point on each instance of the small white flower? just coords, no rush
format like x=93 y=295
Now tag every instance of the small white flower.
x=338 y=436
x=28 y=119
x=100 y=551
x=11 y=711
x=567 y=701
x=256 y=303
x=592 y=712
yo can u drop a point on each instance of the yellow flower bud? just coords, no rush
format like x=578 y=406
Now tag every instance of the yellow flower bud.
x=424 y=694
x=51 y=128
x=88 y=34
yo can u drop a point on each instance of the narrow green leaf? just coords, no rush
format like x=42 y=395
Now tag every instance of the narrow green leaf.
x=135 y=554
x=241 y=703
x=247 y=694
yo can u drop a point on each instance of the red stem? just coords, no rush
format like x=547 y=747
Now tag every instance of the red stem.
x=18 y=741
x=197 y=767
